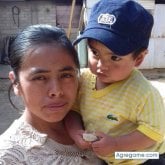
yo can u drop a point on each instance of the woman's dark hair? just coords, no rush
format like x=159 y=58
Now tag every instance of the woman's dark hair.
x=36 y=35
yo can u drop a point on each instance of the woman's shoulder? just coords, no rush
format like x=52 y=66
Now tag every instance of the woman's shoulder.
x=20 y=133
x=11 y=153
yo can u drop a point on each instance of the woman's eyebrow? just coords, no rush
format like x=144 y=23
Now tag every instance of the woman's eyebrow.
x=38 y=70
x=68 y=68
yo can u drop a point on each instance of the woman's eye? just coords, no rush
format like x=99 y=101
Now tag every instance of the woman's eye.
x=115 y=58
x=67 y=75
x=39 y=78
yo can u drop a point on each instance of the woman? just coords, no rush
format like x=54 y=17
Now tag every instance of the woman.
x=45 y=75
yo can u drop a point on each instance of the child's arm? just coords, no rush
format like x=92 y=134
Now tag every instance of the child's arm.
x=132 y=142
x=74 y=126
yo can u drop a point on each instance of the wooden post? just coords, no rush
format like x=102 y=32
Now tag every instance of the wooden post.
x=71 y=17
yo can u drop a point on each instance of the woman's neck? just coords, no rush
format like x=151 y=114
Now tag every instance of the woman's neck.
x=55 y=131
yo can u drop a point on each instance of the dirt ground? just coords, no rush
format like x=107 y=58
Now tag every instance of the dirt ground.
x=8 y=113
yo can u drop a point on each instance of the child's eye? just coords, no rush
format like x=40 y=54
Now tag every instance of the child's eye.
x=95 y=53
x=115 y=58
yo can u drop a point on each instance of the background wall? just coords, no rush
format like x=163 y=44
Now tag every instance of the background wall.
x=18 y=14
x=15 y=16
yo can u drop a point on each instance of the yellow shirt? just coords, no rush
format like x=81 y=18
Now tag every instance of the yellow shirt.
x=121 y=108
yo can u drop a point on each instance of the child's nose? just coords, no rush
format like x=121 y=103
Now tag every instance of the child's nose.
x=102 y=64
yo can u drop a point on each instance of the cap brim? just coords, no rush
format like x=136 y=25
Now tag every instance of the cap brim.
x=118 y=44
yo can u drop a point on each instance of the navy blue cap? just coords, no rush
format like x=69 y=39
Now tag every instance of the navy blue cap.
x=121 y=25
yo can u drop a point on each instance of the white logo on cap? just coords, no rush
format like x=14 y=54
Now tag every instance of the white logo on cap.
x=107 y=19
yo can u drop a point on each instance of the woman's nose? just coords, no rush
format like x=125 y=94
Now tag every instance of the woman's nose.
x=55 y=89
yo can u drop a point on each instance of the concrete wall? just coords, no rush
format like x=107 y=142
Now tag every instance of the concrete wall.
x=15 y=16
x=29 y=13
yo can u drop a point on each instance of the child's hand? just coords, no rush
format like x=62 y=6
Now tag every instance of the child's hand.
x=80 y=142
x=104 y=146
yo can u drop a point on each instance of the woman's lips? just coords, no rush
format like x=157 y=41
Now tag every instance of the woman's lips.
x=55 y=106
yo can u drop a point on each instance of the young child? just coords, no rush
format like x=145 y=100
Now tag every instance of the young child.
x=115 y=100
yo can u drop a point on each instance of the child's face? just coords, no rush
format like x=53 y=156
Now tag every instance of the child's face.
x=48 y=83
x=108 y=66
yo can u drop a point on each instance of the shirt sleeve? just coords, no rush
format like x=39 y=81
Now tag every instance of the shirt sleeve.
x=151 y=117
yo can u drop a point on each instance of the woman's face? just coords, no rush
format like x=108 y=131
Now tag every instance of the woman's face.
x=48 y=83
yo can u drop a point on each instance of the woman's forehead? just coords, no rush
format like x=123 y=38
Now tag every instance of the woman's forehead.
x=46 y=53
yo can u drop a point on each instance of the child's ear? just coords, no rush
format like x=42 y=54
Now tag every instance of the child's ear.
x=16 y=86
x=139 y=59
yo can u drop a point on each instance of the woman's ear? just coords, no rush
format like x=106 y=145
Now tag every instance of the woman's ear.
x=16 y=86
x=139 y=59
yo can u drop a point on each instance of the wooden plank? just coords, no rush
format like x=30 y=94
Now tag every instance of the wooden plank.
x=71 y=17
